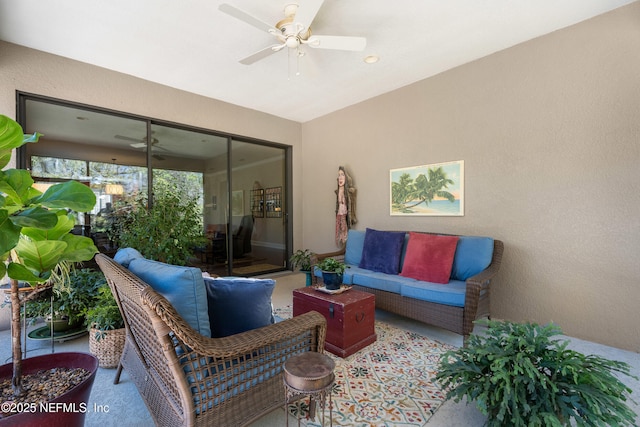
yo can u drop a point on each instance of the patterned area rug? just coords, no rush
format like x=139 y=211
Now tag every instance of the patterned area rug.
x=389 y=383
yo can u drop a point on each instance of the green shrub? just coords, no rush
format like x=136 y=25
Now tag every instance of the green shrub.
x=519 y=376
x=105 y=314
x=71 y=297
x=168 y=232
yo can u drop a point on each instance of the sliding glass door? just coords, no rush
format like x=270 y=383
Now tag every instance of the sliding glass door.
x=239 y=185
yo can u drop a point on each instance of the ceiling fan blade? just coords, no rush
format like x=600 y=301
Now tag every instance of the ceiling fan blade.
x=307 y=12
x=261 y=54
x=245 y=17
x=337 y=42
x=139 y=145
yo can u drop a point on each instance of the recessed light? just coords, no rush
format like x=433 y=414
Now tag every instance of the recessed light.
x=371 y=59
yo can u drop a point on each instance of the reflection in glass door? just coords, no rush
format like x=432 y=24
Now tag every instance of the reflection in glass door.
x=257 y=212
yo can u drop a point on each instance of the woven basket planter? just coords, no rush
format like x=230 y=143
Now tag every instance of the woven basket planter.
x=107 y=349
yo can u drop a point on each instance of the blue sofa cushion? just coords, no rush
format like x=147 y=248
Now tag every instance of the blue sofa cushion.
x=355 y=245
x=452 y=293
x=382 y=281
x=238 y=304
x=183 y=287
x=382 y=251
x=124 y=256
x=473 y=254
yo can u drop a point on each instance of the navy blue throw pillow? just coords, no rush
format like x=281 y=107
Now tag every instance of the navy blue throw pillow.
x=238 y=304
x=382 y=251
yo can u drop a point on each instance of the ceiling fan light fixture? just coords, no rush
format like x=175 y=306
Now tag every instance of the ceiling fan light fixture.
x=371 y=59
x=292 y=42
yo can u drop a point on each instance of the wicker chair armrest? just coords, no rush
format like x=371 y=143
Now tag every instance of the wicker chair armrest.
x=234 y=345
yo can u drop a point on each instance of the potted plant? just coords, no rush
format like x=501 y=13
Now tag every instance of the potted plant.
x=71 y=299
x=168 y=231
x=106 y=327
x=332 y=272
x=519 y=376
x=37 y=248
x=302 y=259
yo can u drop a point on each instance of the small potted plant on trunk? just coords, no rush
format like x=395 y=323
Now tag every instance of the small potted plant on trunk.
x=302 y=259
x=519 y=376
x=37 y=248
x=332 y=273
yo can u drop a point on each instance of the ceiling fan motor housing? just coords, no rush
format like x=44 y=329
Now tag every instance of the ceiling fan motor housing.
x=291 y=33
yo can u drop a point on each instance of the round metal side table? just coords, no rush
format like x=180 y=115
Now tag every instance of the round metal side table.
x=309 y=374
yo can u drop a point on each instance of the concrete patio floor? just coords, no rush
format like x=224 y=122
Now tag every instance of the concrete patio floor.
x=121 y=405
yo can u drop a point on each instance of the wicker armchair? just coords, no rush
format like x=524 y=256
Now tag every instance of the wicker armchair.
x=186 y=379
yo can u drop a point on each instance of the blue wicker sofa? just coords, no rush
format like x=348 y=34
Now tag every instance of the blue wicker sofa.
x=442 y=280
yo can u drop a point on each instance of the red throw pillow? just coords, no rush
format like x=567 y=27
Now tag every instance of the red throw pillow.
x=429 y=257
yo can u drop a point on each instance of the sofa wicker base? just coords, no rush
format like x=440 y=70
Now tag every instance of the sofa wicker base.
x=443 y=316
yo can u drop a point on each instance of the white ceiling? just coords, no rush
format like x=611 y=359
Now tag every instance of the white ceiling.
x=191 y=45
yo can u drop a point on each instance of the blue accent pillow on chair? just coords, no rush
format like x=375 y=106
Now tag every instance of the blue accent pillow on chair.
x=183 y=287
x=238 y=304
x=382 y=250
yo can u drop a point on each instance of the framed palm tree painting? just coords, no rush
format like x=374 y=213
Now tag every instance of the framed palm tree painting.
x=428 y=190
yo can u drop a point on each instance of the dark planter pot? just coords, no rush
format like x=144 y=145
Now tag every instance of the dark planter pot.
x=75 y=407
x=332 y=281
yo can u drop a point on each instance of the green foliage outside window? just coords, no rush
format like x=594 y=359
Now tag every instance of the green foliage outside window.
x=169 y=231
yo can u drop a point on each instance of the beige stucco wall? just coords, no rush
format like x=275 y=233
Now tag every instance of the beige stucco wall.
x=550 y=135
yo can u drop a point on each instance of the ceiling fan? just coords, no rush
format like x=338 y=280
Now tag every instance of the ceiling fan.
x=294 y=31
x=142 y=143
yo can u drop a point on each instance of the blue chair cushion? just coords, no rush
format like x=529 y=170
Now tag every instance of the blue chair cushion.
x=473 y=254
x=238 y=304
x=382 y=251
x=124 y=256
x=183 y=287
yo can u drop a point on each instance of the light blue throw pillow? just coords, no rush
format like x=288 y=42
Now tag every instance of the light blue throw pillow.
x=182 y=286
x=473 y=254
x=238 y=304
x=124 y=256
x=355 y=246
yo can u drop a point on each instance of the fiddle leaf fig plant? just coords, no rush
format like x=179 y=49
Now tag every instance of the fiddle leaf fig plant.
x=35 y=230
